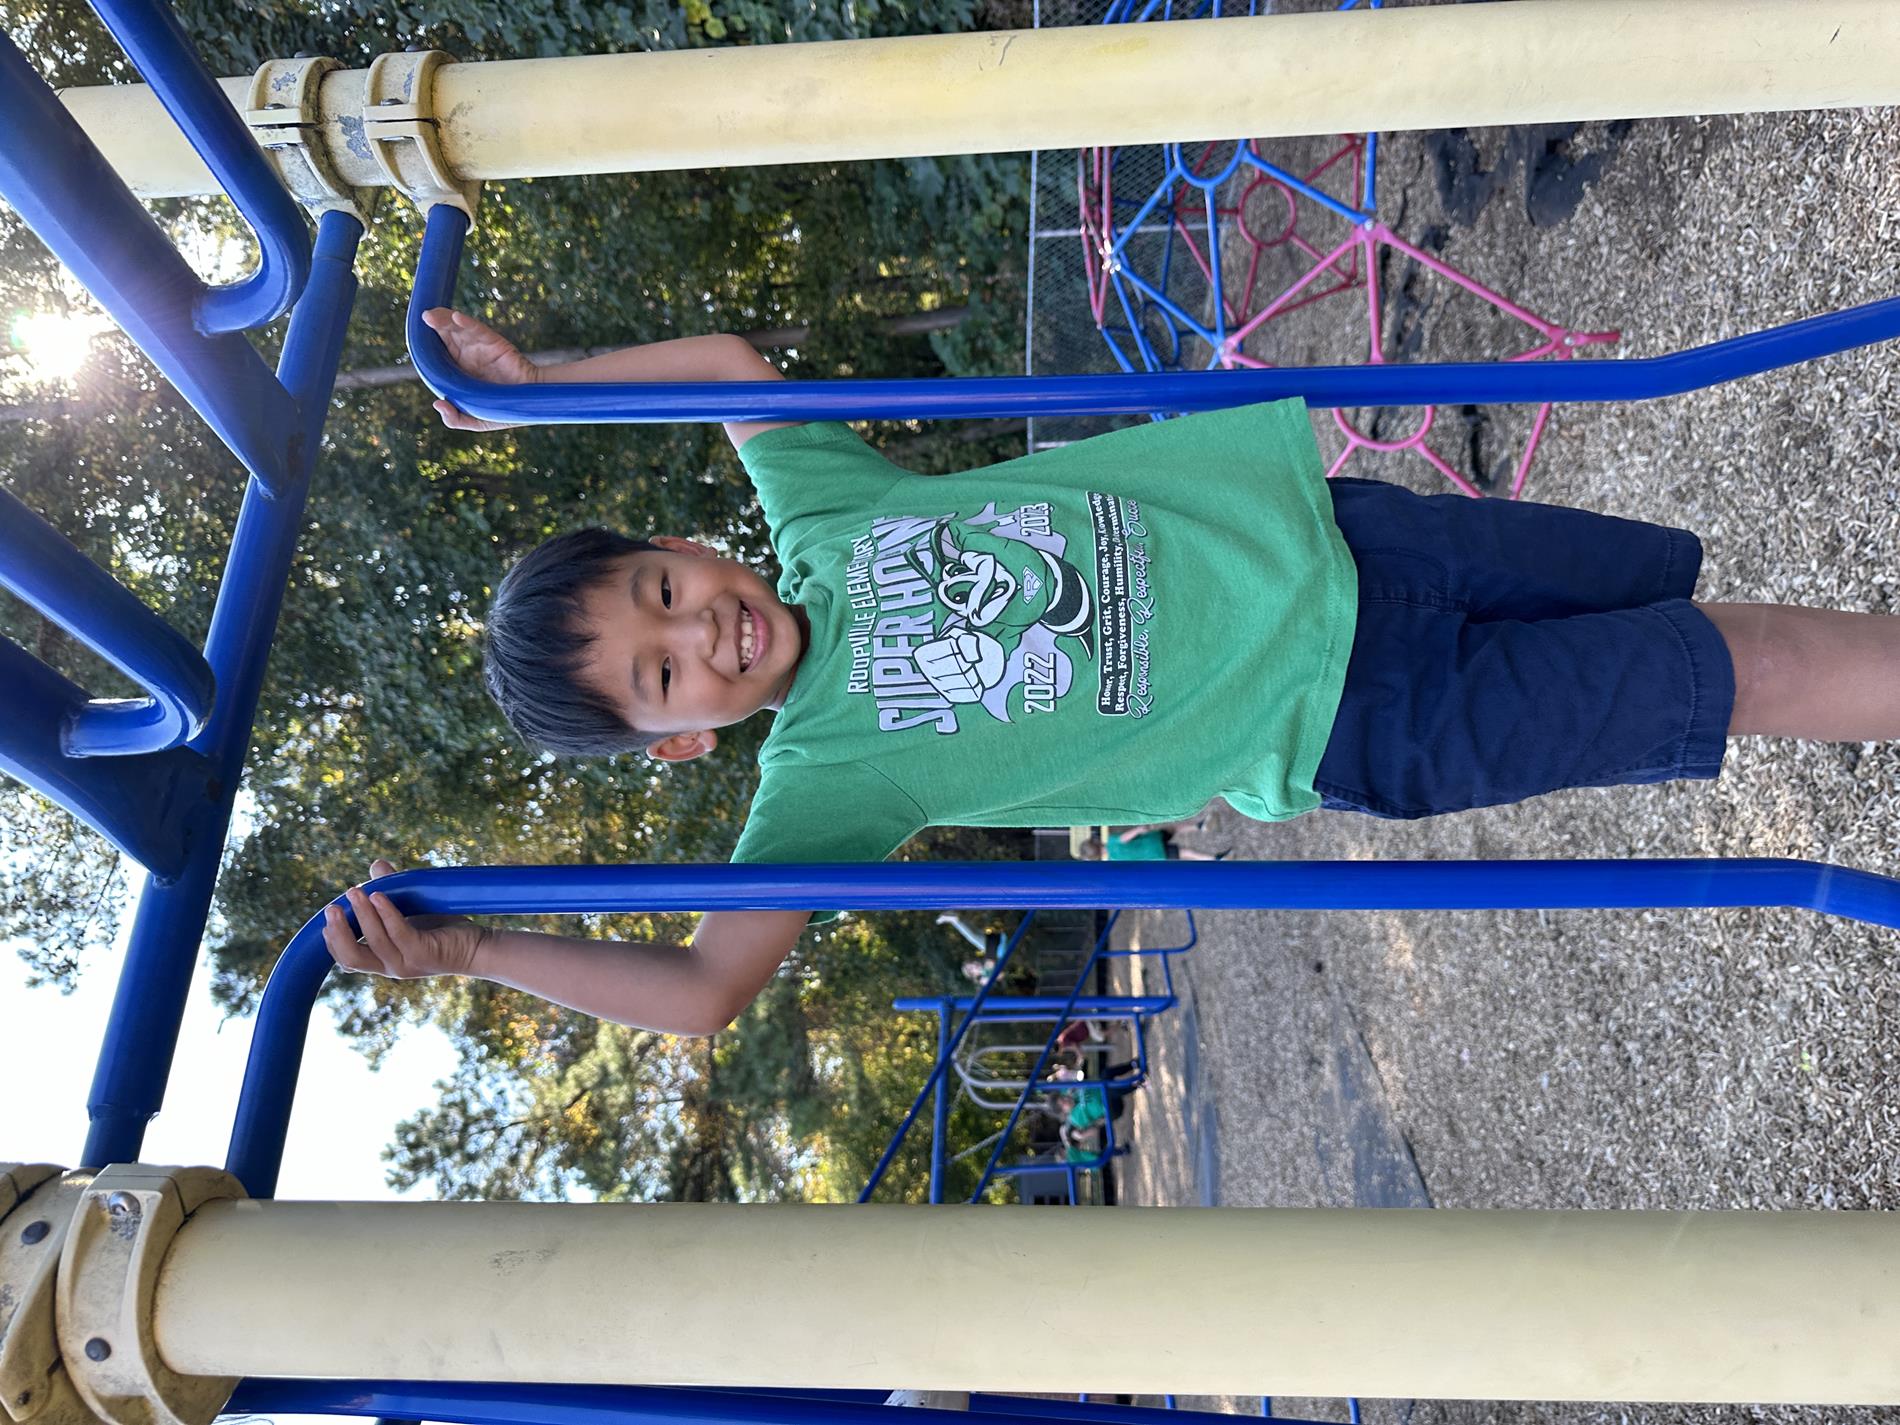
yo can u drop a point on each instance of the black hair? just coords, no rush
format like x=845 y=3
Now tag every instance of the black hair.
x=534 y=643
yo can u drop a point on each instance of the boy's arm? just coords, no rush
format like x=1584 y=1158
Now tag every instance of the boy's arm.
x=485 y=354
x=698 y=988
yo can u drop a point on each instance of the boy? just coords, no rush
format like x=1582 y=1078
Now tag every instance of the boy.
x=1114 y=632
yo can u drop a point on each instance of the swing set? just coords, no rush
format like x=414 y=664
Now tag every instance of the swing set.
x=164 y=1296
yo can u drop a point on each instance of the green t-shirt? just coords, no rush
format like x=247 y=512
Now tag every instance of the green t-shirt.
x=1149 y=846
x=1091 y=1108
x=1090 y=1111
x=1115 y=631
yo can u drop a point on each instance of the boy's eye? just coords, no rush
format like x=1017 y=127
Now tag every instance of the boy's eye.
x=666 y=675
x=666 y=592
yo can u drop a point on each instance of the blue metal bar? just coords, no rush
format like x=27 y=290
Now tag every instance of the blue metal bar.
x=1180 y=170
x=939 y=1114
x=1174 y=310
x=1307 y=190
x=256 y=1150
x=1099 y=1412
x=1030 y=1008
x=150 y=34
x=135 y=1056
x=139 y=804
x=270 y=1079
x=1524 y=382
x=43 y=567
x=945 y=1051
x=1137 y=325
x=68 y=194
x=1158 y=885
x=492 y=1403
x=1066 y=1014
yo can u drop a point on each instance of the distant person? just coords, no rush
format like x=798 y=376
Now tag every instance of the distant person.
x=1021 y=979
x=1085 y=1112
x=1152 y=842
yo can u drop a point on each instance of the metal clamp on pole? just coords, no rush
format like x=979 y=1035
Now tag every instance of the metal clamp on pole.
x=36 y=1204
x=122 y=1227
x=400 y=123
x=285 y=115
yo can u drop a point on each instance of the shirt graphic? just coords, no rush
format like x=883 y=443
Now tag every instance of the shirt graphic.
x=951 y=613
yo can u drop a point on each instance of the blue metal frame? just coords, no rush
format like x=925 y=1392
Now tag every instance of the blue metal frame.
x=270 y=1077
x=933 y=1082
x=1141 y=298
x=1481 y=383
x=982 y=1008
x=135 y=1058
x=1137 y=1009
x=152 y=38
x=497 y=1403
x=43 y=567
x=1065 y=1016
x=165 y=796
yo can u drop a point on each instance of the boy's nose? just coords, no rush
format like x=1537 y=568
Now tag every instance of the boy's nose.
x=701 y=633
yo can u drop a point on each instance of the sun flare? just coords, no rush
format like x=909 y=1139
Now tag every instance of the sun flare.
x=54 y=346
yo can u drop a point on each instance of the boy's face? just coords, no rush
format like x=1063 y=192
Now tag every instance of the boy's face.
x=685 y=642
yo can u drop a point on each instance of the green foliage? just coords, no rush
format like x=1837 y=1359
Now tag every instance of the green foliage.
x=374 y=735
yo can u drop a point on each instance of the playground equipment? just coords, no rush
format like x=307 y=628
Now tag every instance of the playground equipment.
x=958 y=1016
x=1156 y=227
x=142 y=1296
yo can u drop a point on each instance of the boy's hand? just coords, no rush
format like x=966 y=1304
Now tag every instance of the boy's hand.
x=399 y=946
x=483 y=353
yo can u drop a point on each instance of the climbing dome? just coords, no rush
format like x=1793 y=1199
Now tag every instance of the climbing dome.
x=1225 y=253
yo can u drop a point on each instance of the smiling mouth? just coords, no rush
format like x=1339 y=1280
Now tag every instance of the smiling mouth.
x=748 y=637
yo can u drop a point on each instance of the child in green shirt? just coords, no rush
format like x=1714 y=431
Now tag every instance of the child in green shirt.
x=1115 y=632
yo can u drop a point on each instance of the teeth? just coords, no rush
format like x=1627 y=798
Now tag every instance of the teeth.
x=746 y=637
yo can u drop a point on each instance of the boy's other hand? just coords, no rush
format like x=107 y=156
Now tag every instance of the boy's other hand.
x=483 y=353
x=399 y=946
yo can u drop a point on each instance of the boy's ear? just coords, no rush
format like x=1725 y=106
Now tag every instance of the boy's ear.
x=683 y=746
x=673 y=544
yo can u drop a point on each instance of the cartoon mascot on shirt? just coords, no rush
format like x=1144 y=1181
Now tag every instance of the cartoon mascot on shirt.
x=1013 y=609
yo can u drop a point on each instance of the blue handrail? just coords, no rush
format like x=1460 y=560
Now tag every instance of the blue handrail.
x=42 y=566
x=140 y=804
x=1448 y=384
x=270 y=1076
x=1197 y=885
x=154 y=40
x=500 y=1403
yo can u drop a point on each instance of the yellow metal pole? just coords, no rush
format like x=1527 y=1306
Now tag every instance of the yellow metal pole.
x=1707 y=1306
x=1513 y=62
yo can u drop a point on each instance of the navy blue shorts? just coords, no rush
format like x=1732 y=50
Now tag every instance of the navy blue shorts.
x=1507 y=649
